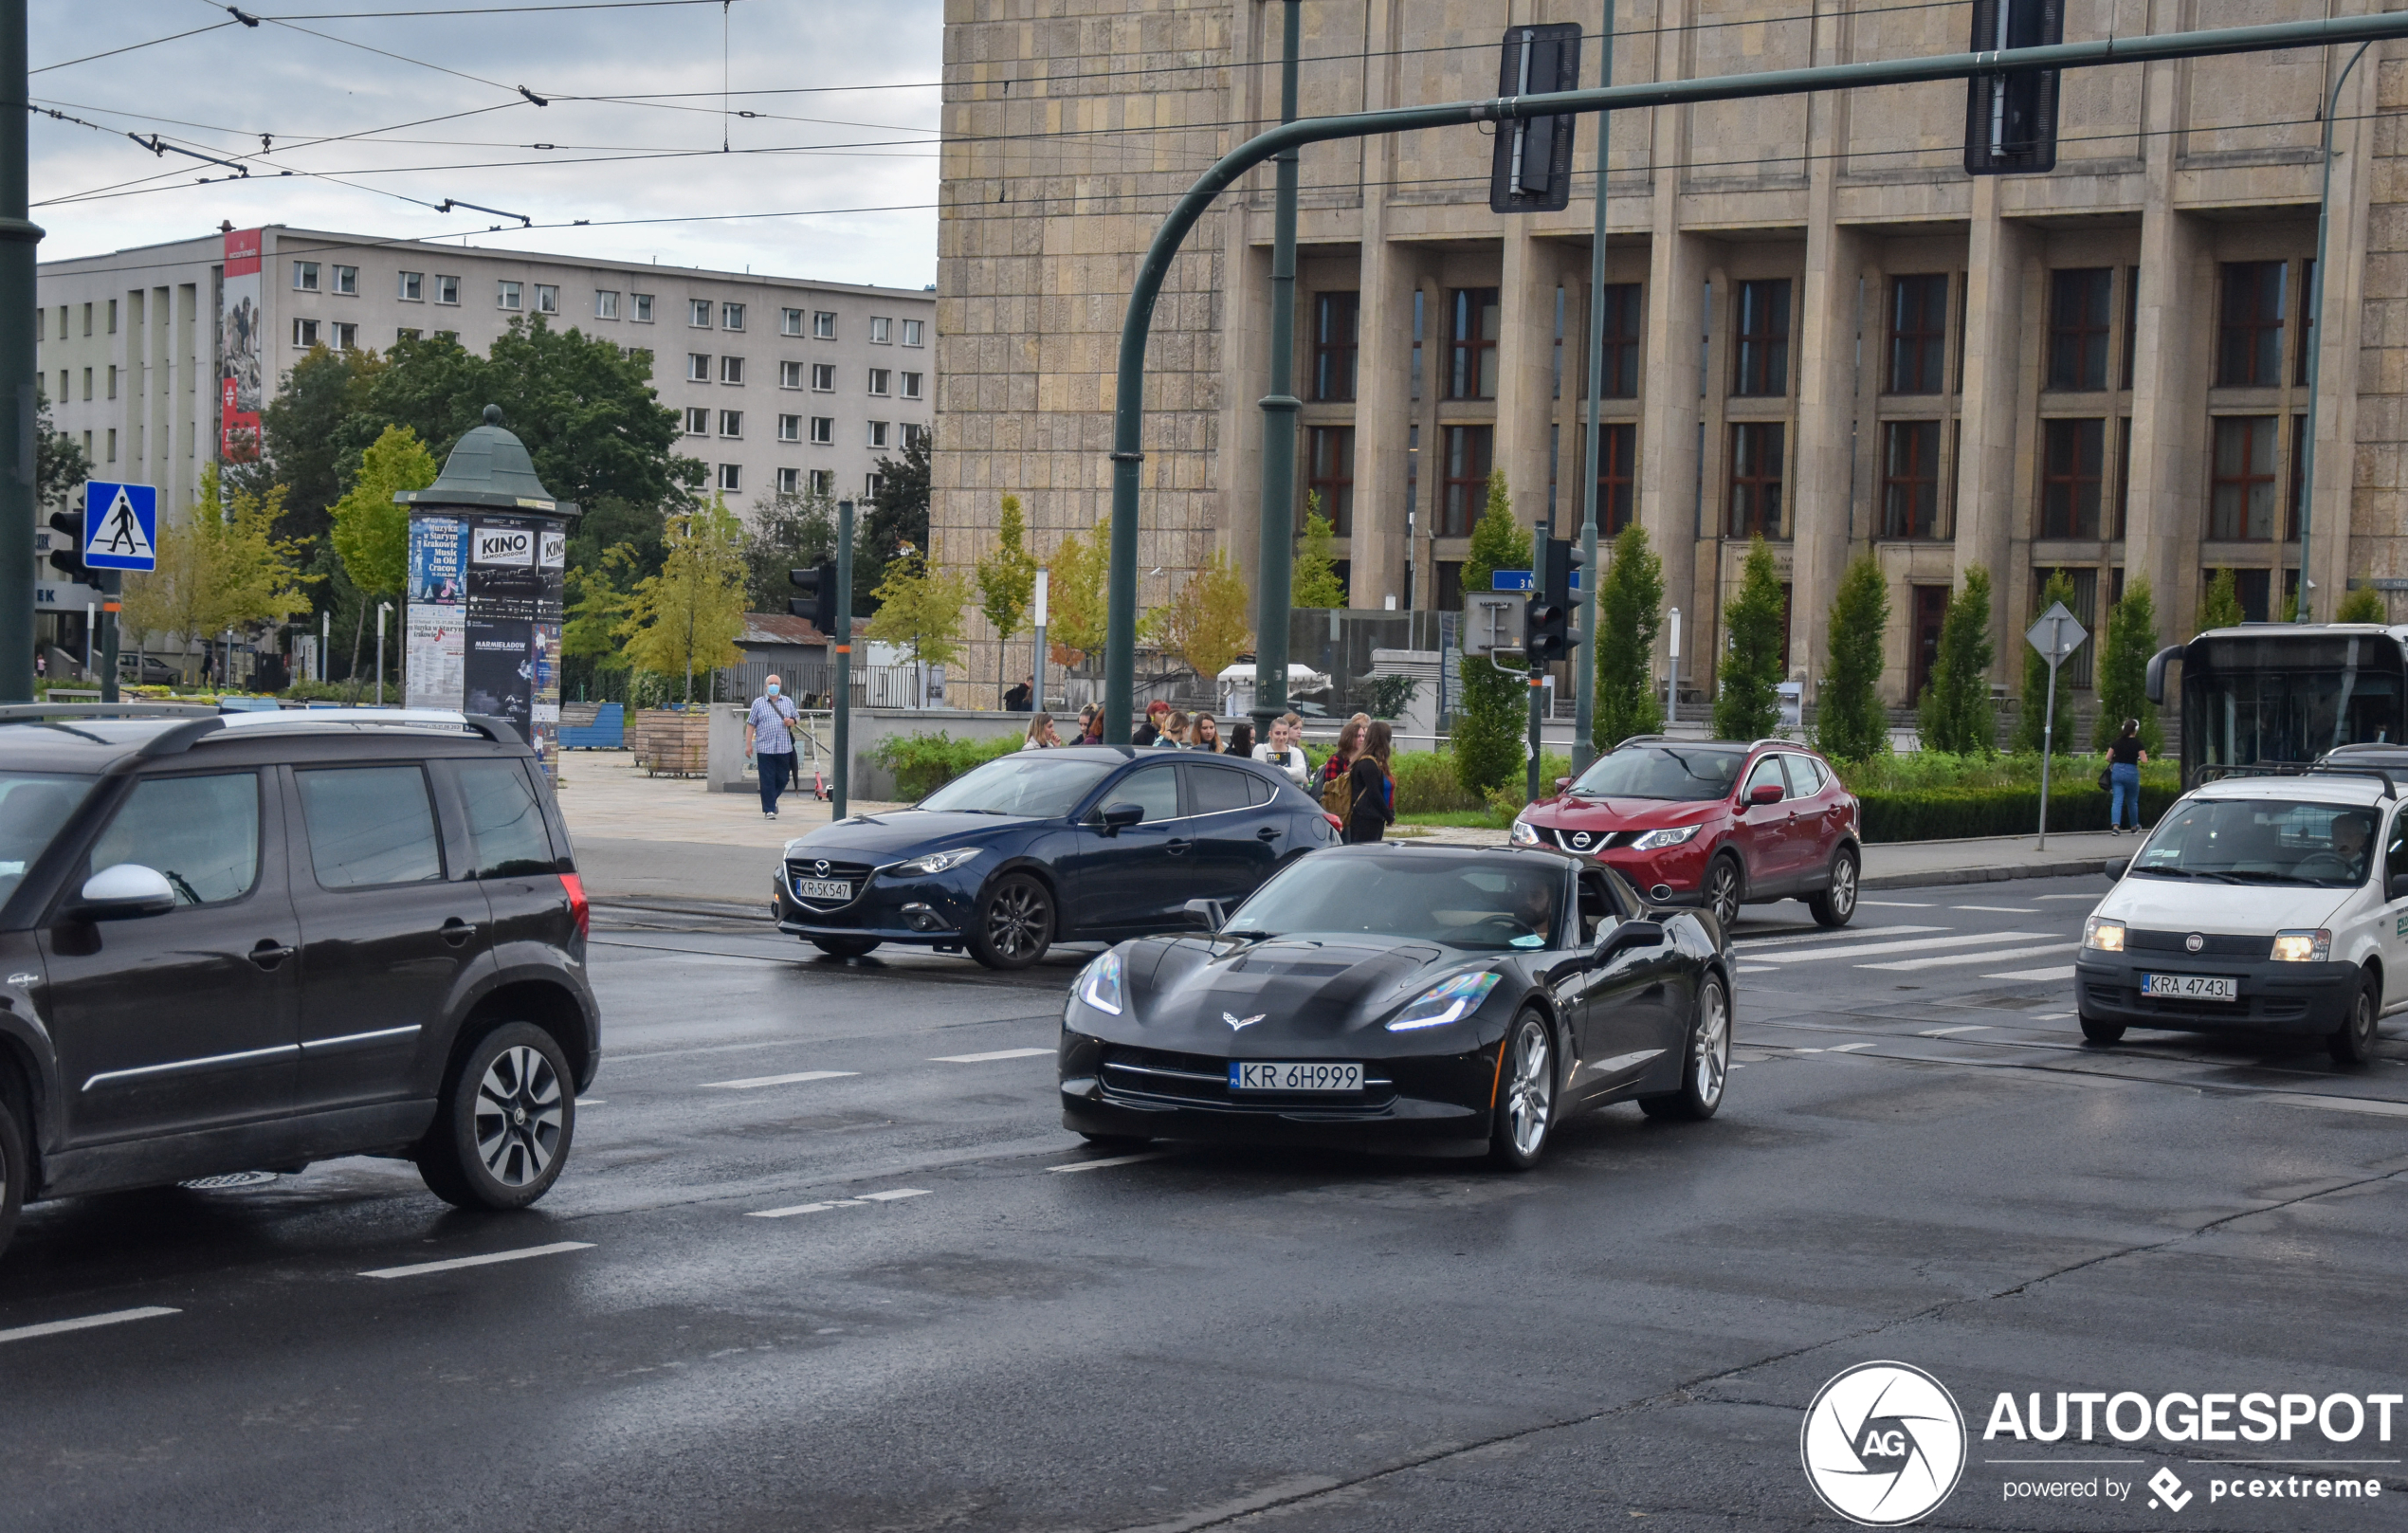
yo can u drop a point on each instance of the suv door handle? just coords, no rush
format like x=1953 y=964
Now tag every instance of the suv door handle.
x=1268 y=832
x=1178 y=847
x=268 y=952
x=456 y=931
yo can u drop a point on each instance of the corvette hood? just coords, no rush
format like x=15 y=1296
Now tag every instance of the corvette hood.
x=1299 y=990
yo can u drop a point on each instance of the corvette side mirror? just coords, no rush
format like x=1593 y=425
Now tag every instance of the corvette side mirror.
x=1208 y=914
x=1629 y=934
x=1119 y=817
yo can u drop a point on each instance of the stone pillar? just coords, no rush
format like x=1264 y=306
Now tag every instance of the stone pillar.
x=1383 y=416
x=1525 y=352
x=1668 y=442
x=1996 y=254
x=1821 y=508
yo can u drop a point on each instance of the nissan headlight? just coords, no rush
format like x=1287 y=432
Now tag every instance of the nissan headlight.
x=936 y=862
x=1440 y=1004
x=2103 y=936
x=2303 y=947
x=1525 y=834
x=1099 y=984
x=1669 y=837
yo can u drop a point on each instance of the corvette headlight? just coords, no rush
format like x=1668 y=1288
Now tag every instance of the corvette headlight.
x=1525 y=834
x=2103 y=936
x=1099 y=984
x=936 y=862
x=2303 y=947
x=1441 y=1004
x=1669 y=837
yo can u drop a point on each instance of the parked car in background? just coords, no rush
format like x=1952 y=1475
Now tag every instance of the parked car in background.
x=146 y=670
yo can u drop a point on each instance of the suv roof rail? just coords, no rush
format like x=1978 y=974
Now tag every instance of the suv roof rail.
x=2390 y=789
x=20 y=713
x=1773 y=740
x=2298 y=769
x=499 y=731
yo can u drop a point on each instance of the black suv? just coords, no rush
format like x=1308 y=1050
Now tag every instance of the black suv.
x=256 y=940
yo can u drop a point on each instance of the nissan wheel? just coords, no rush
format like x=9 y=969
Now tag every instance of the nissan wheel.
x=503 y=1124
x=1525 y=1103
x=1013 y=924
x=1836 y=902
x=2353 y=1042
x=1707 y=1068
x=1723 y=892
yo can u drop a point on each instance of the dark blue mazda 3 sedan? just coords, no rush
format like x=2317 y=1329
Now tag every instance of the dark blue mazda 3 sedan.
x=1083 y=843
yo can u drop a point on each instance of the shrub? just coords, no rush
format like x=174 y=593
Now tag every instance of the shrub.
x=2034 y=717
x=1954 y=713
x=2363 y=605
x=2220 y=606
x=1427 y=784
x=1851 y=725
x=2075 y=803
x=1747 y=704
x=2124 y=669
x=1629 y=610
x=923 y=763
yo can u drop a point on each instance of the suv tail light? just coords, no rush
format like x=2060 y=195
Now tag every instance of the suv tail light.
x=573 y=887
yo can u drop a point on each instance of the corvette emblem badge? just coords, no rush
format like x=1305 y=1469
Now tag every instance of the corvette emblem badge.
x=1235 y=1023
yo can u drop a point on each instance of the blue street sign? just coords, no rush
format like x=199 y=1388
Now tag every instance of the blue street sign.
x=120 y=525
x=1520 y=580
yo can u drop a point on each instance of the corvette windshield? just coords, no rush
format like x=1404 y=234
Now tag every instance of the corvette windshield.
x=1481 y=906
x=2258 y=841
x=1675 y=772
x=1029 y=783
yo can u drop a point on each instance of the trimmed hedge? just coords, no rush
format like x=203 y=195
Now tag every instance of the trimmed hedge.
x=1955 y=813
x=923 y=763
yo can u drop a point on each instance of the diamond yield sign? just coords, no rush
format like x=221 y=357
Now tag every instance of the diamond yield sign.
x=2056 y=632
x=120 y=525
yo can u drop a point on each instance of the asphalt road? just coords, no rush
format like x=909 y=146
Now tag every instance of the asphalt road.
x=961 y=1317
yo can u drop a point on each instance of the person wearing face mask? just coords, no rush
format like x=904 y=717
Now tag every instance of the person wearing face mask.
x=769 y=740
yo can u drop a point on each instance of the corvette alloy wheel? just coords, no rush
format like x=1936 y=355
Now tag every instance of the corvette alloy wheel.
x=1525 y=1103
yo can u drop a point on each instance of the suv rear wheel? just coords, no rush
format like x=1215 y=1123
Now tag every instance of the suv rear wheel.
x=503 y=1127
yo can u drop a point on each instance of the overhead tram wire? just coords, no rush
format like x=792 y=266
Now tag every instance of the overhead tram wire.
x=129 y=47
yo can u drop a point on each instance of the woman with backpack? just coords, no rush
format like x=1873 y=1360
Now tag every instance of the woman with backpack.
x=1374 y=808
x=1337 y=788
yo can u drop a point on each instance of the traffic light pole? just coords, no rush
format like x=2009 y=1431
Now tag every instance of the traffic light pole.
x=1275 y=596
x=2316 y=320
x=843 y=637
x=1584 y=649
x=18 y=448
x=1539 y=551
x=1128 y=407
x=111 y=587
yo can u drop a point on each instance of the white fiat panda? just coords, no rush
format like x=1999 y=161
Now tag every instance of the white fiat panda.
x=2259 y=905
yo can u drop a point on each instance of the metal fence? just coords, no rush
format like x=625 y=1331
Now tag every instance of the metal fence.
x=873 y=687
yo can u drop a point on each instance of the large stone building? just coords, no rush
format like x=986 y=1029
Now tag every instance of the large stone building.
x=1820 y=328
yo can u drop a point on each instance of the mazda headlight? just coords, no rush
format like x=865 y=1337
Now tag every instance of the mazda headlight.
x=1099 y=984
x=936 y=862
x=1441 y=1004
x=1525 y=834
x=2103 y=936
x=1669 y=837
x=2303 y=947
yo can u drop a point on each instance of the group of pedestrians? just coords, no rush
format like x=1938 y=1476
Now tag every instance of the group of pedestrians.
x=1356 y=784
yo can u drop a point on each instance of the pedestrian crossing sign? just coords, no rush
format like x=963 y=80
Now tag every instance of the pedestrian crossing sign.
x=120 y=525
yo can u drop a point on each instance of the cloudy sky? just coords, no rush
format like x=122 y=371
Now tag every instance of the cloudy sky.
x=381 y=109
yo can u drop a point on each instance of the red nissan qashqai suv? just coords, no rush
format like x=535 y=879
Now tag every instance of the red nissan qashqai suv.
x=1715 y=823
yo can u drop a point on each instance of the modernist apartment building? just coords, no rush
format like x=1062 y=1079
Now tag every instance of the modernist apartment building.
x=1819 y=328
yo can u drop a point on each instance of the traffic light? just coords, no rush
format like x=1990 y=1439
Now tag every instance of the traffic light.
x=1531 y=172
x=2011 y=118
x=820 y=605
x=1547 y=619
x=68 y=557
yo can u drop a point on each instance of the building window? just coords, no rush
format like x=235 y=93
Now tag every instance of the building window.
x=87 y=319
x=911 y=385
x=606 y=303
x=1464 y=486
x=113 y=322
x=112 y=444
x=789 y=322
x=877 y=433
x=507 y=294
x=823 y=378
x=404 y=334
x=698 y=313
x=643 y=307
x=1473 y=366
x=789 y=481
x=1617 y=461
x=2073 y=452
x=304 y=336
x=2132 y=330
x=881 y=330
x=790 y=374
x=697 y=367
x=112 y=380
x=1329 y=473
x=87 y=385
x=2122 y=478
x=1755 y=475
x=789 y=428
x=304 y=281
x=2240 y=506
x=822 y=481
x=447 y=289
x=1621 y=371
x=880 y=381
x=2078 y=324
x=547 y=297
x=914 y=437
x=1910 y=479
x=2249 y=350
x=1918 y=334
x=731 y=476
x=731 y=317
x=731 y=423
x=344 y=337
x=913 y=332
x=2306 y=319
x=414 y=287
x=347 y=280
x=2298 y=485
x=822 y=431
x=871 y=483
x=1336 y=328
x=1762 y=340
x=823 y=325
x=698 y=421
x=731 y=370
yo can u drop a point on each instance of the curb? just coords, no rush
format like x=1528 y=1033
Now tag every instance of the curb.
x=1997 y=873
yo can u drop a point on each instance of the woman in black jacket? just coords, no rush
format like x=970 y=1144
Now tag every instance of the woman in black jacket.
x=1374 y=791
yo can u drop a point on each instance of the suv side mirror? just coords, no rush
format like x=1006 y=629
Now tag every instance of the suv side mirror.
x=1764 y=793
x=1119 y=817
x=1630 y=934
x=124 y=891
x=1208 y=913
x=1561 y=783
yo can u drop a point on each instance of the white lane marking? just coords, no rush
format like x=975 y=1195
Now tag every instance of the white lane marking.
x=2094 y=899
x=2046 y=1016
x=981 y=1059
x=59 y=1327
x=1753 y=944
x=2061 y=972
x=422 y=1268
x=752 y=1083
x=2000 y=909
x=1945 y=1033
x=1898 y=905
x=1758 y=968
x=1911 y=944
x=1958 y=960
x=2287 y=1098
x=1114 y=1161
x=1836 y=1049
x=591 y=1102
x=894 y=1196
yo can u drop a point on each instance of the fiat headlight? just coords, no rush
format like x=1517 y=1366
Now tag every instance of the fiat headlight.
x=1669 y=837
x=1099 y=984
x=936 y=862
x=1443 y=1003
x=1525 y=834
x=2103 y=936
x=2303 y=947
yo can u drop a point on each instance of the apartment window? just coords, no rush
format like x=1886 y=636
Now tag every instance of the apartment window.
x=914 y=437
x=404 y=334
x=2249 y=349
x=2073 y=452
x=1329 y=472
x=790 y=374
x=1910 y=479
x=1762 y=339
x=343 y=336
x=447 y=289
x=63 y=322
x=2078 y=324
x=822 y=431
x=113 y=322
x=789 y=322
x=1755 y=475
x=507 y=294
x=2253 y=588
x=1337 y=325
x=2298 y=485
x=731 y=423
x=877 y=433
x=881 y=330
x=606 y=305
x=87 y=384
x=731 y=476
x=64 y=396
x=880 y=381
x=1918 y=334
x=823 y=325
x=822 y=481
x=1465 y=492
x=347 y=280
x=304 y=281
x=1621 y=371
x=823 y=378
x=112 y=380
x=698 y=421
x=87 y=319
x=2240 y=505
x=304 y=336
x=643 y=303
x=547 y=297
x=871 y=484
x=789 y=481
x=112 y=458
x=1474 y=365
x=1617 y=459
x=731 y=370
x=911 y=385
x=88 y=445
x=914 y=330
x=412 y=287
x=2299 y=371
x=697 y=367
x=698 y=313
x=731 y=317
x=789 y=428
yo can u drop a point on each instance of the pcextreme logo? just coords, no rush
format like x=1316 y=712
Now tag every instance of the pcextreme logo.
x=1883 y=1444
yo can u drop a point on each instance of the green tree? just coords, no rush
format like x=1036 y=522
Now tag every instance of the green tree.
x=2222 y=607
x=1204 y=625
x=1313 y=578
x=920 y=609
x=611 y=522
x=2124 y=669
x=1955 y=712
x=597 y=600
x=1498 y=542
x=221 y=568
x=794 y=530
x=1075 y=595
x=897 y=515
x=305 y=447
x=1006 y=582
x=1629 y=611
x=2363 y=605
x=370 y=533
x=1850 y=723
x=60 y=466
x=686 y=618
x=1746 y=701
x=2032 y=718
x=1491 y=719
